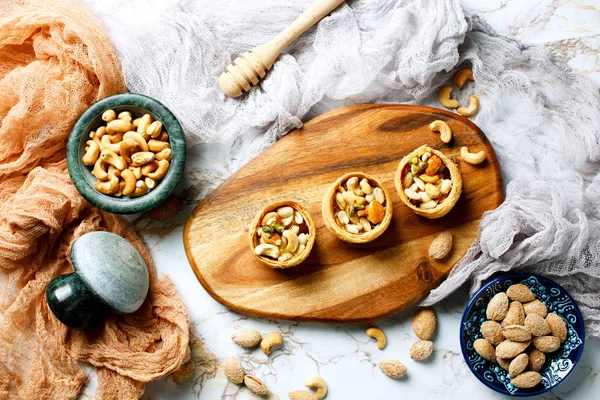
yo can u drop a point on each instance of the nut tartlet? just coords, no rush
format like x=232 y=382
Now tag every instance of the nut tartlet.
x=357 y=208
x=282 y=234
x=428 y=182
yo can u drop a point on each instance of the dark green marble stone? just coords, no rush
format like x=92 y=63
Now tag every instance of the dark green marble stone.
x=91 y=119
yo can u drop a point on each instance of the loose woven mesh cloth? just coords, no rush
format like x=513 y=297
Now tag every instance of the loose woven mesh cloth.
x=55 y=61
x=542 y=118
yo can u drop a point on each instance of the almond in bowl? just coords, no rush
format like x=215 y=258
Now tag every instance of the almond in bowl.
x=282 y=234
x=357 y=208
x=428 y=182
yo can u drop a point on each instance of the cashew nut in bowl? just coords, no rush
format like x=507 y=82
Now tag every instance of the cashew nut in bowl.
x=377 y=334
x=472 y=158
x=118 y=125
x=471 y=109
x=145 y=122
x=270 y=340
x=107 y=144
x=136 y=137
x=137 y=172
x=443 y=128
x=161 y=171
x=116 y=138
x=140 y=189
x=267 y=250
x=151 y=183
x=130 y=181
x=150 y=167
x=166 y=154
x=154 y=129
x=141 y=158
x=92 y=154
x=125 y=116
x=318 y=384
x=111 y=158
x=164 y=136
x=101 y=131
x=462 y=76
x=445 y=97
x=100 y=170
x=128 y=147
x=157 y=146
x=109 y=115
x=110 y=187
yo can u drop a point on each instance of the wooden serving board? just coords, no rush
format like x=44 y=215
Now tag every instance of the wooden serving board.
x=340 y=282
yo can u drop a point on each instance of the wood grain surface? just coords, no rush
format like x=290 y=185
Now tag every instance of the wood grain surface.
x=340 y=282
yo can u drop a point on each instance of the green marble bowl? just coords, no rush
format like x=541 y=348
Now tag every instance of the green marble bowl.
x=91 y=119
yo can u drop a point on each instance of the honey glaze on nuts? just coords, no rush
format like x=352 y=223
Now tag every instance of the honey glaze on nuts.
x=426 y=181
x=359 y=207
x=282 y=235
x=128 y=157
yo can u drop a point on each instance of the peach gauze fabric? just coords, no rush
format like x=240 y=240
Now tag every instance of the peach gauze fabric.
x=55 y=61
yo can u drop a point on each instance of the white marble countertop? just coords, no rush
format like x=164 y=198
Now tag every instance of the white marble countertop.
x=344 y=355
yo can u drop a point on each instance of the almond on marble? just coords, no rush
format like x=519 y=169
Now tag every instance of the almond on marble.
x=421 y=350
x=520 y=293
x=508 y=349
x=536 y=360
x=492 y=331
x=392 y=368
x=557 y=326
x=526 y=380
x=484 y=348
x=234 y=371
x=255 y=385
x=247 y=339
x=546 y=344
x=535 y=307
x=518 y=365
x=424 y=323
x=537 y=325
x=497 y=307
x=515 y=314
x=516 y=333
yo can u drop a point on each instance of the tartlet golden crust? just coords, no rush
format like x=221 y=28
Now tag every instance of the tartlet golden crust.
x=327 y=209
x=444 y=207
x=256 y=225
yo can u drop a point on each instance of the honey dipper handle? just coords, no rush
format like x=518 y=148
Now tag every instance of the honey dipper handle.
x=269 y=51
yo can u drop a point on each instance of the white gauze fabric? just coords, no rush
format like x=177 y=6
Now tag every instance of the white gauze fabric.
x=541 y=117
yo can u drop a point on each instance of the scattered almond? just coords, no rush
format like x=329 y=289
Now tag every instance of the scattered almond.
x=546 y=344
x=234 y=371
x=503 y=362
x=255 y=385
x=516 y=333
x=302 y=395
x=508 y=349
x=537 y=325
x=518 y=365
x=526 y=380
x=515 y=314
x=497 y=307
x=392 y=368
x=492 y=331
x=440 y=246
x=421 y=350
x=484 y=348
x=536 y=360
x=535 y=307
x=520 y=293
x=247 y=339
x=557 y=326
x=424 y=323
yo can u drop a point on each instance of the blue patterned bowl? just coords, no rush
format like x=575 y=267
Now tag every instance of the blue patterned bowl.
x=558 y=365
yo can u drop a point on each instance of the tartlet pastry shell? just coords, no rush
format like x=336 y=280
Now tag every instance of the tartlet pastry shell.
x=297 y=259
x=327 y=208
x=441 y=209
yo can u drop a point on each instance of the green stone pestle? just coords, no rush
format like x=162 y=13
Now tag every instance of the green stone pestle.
x=110 y=275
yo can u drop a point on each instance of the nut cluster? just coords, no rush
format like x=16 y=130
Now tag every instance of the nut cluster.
x=129 y=157
x=519 y=333
x=359 y=207
x=283 y=234
x=427 y=182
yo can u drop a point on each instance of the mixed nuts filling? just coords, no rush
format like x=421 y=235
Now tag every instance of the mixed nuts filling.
x=129 y=156
x=283 y=234
x=359 y=207
x=426 y=181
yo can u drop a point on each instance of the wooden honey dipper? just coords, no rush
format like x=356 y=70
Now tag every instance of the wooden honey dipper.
x=250 y=67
